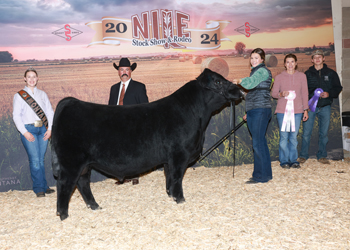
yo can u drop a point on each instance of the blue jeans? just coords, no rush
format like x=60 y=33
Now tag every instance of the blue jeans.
x=288 y=152
x=36 y=153
x=324 y=116
x=258 y=120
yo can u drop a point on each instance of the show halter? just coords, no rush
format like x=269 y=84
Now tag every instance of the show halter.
x=313 y=101
x=288 y=119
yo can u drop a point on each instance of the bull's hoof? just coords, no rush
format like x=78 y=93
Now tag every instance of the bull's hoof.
x=179 y=200
x=94 y=207
x=63 y=216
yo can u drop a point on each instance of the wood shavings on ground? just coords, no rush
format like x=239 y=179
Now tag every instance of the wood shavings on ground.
x=306 y=208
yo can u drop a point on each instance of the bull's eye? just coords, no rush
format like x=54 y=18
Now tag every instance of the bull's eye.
x=217 y=83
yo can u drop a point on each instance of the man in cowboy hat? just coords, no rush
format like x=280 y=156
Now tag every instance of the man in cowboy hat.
x=135 y=92
x=127 y=92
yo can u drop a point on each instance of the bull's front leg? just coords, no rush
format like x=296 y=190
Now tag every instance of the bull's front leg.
x=177 y=190
x=169 y=179
x=179 y=169
x=83 y=185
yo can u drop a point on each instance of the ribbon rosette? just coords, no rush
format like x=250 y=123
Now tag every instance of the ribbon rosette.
x=313 y=101
x=288 y=119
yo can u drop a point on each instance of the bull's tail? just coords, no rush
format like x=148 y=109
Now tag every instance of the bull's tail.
x=54 y=162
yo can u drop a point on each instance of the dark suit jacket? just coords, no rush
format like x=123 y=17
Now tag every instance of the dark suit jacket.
x=134 y=94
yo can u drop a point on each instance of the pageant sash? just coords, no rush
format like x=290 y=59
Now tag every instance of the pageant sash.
x=288 y=123
x=313 y=101
x=35 y=106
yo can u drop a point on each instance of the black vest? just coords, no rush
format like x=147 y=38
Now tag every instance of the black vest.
x=259 y=97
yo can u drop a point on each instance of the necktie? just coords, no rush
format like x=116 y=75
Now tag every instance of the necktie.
x=122 y=95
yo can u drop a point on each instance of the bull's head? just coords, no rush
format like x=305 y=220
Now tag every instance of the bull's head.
x=218 y=84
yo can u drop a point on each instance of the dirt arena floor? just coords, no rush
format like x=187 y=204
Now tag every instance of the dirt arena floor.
x=307 y=208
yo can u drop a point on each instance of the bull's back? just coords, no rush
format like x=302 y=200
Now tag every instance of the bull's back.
x=130 y=130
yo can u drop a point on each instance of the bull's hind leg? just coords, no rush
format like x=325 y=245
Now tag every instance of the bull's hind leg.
x=65 y=185
x=64 y=192
x=85 y=190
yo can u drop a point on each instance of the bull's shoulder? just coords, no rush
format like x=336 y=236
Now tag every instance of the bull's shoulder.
x=189 y=91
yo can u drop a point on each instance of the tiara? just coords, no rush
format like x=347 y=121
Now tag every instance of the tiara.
x=31 y=69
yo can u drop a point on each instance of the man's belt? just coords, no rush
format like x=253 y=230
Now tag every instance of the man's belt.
x=36 y=108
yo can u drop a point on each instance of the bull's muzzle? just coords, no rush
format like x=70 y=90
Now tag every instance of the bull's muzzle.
x=243 y=94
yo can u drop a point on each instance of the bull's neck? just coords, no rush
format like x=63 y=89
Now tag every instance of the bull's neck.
x=209 y=103
x=201 y=102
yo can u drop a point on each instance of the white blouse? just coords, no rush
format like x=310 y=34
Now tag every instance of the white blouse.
x=23 y=114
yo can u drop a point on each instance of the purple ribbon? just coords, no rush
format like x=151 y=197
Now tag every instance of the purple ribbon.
x=313 y=101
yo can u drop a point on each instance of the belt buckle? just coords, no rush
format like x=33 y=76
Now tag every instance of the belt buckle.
x=38 y=124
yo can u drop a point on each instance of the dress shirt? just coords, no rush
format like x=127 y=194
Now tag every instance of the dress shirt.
x=121 y=87
x=23 y=114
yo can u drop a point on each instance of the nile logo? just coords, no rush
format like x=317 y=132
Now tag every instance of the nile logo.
x=158 y=28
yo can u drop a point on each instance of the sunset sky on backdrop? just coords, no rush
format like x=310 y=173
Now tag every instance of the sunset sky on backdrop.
x=26 y=26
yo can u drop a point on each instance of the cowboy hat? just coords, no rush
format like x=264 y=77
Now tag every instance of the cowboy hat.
x=124 y=62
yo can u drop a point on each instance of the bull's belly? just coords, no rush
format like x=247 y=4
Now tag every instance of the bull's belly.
x=129 y=168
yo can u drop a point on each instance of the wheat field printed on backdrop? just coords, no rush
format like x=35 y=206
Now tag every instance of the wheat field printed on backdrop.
x=92 y=81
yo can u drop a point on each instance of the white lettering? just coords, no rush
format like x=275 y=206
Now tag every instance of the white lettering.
x=9 y=181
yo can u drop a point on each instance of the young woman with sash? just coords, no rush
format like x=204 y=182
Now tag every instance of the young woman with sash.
x=291 y=91
x=33 y=115
x=258 y=108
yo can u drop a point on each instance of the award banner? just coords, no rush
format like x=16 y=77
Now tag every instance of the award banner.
x=156 y=28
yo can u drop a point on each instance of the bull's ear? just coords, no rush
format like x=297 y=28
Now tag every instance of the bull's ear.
x=204 y=77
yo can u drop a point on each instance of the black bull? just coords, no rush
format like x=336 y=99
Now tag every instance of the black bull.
x=128 y=140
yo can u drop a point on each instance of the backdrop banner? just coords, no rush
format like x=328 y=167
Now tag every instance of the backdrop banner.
x=73 y=47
